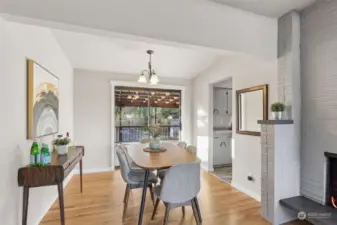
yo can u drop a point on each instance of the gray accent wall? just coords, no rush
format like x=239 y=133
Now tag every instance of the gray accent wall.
x=319 y=95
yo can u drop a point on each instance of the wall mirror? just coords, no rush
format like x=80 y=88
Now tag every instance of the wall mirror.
x=251 y=106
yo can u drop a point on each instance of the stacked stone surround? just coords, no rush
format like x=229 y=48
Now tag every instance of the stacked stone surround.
x=280 y=169
x=319 y=94
x=267 y=167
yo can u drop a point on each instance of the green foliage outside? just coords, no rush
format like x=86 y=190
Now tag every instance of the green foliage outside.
x=144 y=112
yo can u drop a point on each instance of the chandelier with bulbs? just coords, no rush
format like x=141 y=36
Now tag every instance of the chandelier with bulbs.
x=151 y=78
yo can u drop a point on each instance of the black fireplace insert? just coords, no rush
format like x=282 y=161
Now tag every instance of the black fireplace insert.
x=331 y=179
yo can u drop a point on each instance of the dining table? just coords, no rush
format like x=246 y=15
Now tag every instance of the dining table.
x=149 y=161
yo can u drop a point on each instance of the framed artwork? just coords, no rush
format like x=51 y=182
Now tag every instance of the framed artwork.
x=42 y=101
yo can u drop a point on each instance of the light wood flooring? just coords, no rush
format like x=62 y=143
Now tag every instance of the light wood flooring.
x=102 y=204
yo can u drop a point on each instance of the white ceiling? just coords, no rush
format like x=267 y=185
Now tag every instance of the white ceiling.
x=98 y=53
x=272 y=8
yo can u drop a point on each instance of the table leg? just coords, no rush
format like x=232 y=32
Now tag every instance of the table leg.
x=60 y=189
x=142 y=204
x=81 y=175
x=25 y=205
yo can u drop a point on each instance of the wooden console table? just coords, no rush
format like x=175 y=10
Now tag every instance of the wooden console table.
x=53 y=174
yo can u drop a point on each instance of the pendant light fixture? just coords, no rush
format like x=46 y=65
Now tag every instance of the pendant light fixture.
x=152 y=77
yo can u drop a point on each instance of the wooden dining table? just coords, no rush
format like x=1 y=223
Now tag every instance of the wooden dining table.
x=149 y=161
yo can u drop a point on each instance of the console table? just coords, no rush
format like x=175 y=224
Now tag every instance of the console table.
x=52 y=174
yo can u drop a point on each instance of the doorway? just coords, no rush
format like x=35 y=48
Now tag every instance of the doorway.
x=222 y=130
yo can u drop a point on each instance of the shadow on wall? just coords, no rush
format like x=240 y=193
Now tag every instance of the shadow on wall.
x=10 y=203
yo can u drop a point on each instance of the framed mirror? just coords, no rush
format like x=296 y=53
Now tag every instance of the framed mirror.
x=251 y=106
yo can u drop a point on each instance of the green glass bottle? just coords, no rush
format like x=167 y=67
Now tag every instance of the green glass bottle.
x=35 y=154
x=45 y=155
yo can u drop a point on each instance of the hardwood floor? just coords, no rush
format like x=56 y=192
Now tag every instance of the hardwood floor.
x=102 y=203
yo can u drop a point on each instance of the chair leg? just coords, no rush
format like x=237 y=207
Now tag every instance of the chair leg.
x=167 y=212
x=126 y=191
x=126 y=200
x=197 y=208
x=183 y=210
x=195 y=213
x=151 y=193
x=155 y=209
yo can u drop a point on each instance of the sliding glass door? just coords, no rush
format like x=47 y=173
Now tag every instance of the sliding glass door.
x=136 y=109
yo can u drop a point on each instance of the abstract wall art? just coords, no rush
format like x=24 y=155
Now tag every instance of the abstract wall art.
x=42 y=101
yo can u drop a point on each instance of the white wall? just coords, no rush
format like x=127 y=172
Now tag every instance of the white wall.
x=18 y=42
x=193 y=22
x=246 y=72
x=92 y=111
x=225 y=84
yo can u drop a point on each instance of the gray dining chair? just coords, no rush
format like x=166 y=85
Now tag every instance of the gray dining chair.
x=161 y=173
x=132 y=164
x=133 y=178
x=192 y=149
x=179 y=188
x=182 y=144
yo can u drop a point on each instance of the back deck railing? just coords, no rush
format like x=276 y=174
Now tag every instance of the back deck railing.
x=137 y=133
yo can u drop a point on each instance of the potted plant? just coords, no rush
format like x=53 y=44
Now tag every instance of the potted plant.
x=277 y=110
x=61 y=145
x=154 y=132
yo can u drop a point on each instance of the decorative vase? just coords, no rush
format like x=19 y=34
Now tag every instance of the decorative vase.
x=277 y=115
x=62 y=149
x=280 y=115
x=155 y=144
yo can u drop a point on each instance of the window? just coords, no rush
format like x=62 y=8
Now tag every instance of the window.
x=136 y=109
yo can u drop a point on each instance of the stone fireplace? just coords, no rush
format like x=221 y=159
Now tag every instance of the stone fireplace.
x=331 y=179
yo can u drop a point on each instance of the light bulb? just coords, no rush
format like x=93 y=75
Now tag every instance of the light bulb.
x=142 y=79
x=154 y=79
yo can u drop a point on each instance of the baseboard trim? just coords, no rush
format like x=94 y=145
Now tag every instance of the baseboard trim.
x=44 y=212
x=254 y=195
x=222 y=165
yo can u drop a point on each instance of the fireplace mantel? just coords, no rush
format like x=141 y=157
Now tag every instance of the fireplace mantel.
x=330 y=155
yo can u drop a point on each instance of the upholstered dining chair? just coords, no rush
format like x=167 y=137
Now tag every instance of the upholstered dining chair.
x=192 y=149
x=133 y=178
x=179 y=188
x=161 y=173
x=132 y=164
x=182 y=144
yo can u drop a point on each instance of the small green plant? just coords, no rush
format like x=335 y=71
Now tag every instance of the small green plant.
x=61 y=141
x=277 y=107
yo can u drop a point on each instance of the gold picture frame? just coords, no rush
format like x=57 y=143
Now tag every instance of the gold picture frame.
x=42 y=101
